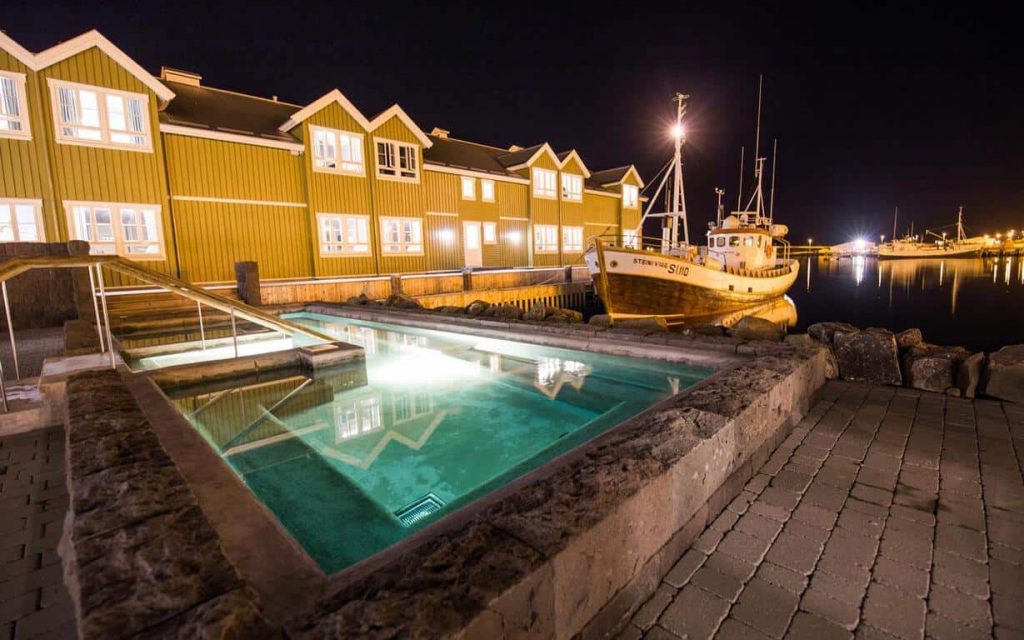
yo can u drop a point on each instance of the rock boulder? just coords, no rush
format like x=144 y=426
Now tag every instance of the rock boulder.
x=752 y=328
x=867 y=356
x=650 y=324
x=1004 y=375
x=931 y=368
x=507 y=312
x=477 y=307
x=824 y=332
x=968 y=374
x=800 y=340
x=402 y=301
x=909 y=338
x=361 y=299
x=539 y=312
x=600 y=320
x=707 y=329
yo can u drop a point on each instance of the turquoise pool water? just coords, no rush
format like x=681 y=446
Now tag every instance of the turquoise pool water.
x=353 y=460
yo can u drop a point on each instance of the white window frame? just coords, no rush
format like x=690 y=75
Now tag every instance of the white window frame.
x=572 y=187
x=572 y=238
x=395 y=147
x=545 y=245
x=468 y=188
x=37 y=209
x=541 y=186
x=629 y=239
x=355 y=141
x=119 y=243
x=486 y=190
x=21 y=103
x=104 y=129
x=489 y=232
x=630 y=196
x=405 y=248
x=345 y=248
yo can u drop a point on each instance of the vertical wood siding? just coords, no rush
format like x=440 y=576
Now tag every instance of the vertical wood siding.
x=401 y=199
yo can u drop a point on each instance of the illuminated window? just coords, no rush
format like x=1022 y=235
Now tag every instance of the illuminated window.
x=397 y=161
x=357 y=418
x=13 y=106
x=572 y=238
x=21 y=221
x=337 y=151
x=734 y=241
x=344 y=235
x=572 y=187
x=748 y=241
x=130 y=230
x=487 y=190
x=402 y=235
x=629 y=239
x=544 y=183
x=101 y=117
x=545 y=238
x=630 y=196
x=490 y=233
x=468 y=188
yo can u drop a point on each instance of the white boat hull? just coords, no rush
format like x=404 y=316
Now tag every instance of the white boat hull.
x=928 y=251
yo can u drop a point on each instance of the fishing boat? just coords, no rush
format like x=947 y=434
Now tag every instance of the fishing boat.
x=911 y=246
x=740 y=266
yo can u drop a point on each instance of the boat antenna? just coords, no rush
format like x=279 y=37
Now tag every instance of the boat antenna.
x=739 y=192
x=678 y=199
x=771 y=199
x=894 y=216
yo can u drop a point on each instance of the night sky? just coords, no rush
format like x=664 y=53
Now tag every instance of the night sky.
x=892 y=104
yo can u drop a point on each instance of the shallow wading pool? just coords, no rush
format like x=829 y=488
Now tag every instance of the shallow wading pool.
x=354 y=459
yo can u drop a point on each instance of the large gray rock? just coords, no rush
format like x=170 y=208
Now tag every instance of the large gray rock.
x=600 y=320
x=1004 y=375
x=477 y=307
x=909 y=338
x=932 y=368
x=968 y=374
x=402 y=301
x=800 y=340
x=571 y=315
x=868 y=356
x=707 y=329
x=753 y=328
x=824 y=332
x=507 y=312
x=539 y=312
x=649 y=324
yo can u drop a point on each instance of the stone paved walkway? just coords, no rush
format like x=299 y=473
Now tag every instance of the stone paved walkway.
x=887 y=513
x=33 y=501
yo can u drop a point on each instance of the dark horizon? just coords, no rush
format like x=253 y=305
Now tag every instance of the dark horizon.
x=878 y=107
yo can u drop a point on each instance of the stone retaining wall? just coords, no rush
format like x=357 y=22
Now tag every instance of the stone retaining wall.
x=140 y=558
x=46 y=297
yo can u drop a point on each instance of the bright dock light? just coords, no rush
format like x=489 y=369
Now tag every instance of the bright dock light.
x=679 y=132
x=859 y=244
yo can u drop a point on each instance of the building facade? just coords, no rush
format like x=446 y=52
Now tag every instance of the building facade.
x=189 y=179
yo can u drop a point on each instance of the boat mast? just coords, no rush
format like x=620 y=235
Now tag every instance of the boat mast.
x=895 y=215
x=771 y=199
x=757 y=198
x=960 y=235
x=739 y=192
x=719 y=192
x=678 y=199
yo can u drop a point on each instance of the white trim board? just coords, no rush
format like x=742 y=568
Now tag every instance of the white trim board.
x=579 y=160
x=602 y=193
x=544 y=148
x=442 y=168
x=397 y=111
x=263 y=203
x=20 y=53
x=334 y=95
x=193 y=132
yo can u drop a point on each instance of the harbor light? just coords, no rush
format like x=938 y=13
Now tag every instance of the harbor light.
x=860 y=244
x=810 y=241
x=679 y=132
x=1009 y=234
x=881 y=239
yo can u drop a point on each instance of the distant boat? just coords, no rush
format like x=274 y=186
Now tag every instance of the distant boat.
x=739 y=267
x=913 y=247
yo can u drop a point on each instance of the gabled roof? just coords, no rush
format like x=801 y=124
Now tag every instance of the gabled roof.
x=94 y=38
x=460 y=154
x=333 y=95
x=227 y=112
x=523 y=158
x=20 y=53
x=397 y=111
x=611 y=177
x=565 y=156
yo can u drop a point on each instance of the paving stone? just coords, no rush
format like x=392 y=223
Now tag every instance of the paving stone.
x=1007 y=579
x=910 y=513
x=741 y=503
x=759 y=526
x=804 y=530
x=1006 y=554
x=708 y=541
x=684 y=568
x=758 y=483
x=744 y=546
x=648 y=614
x=781 y=576
x=906 y=548
x=659 y=633
x=780 y=498
x=961 y=541
x=731 y=566
x=861 y=523
x=718 y=583
x=895 y=612
x=825 y=496
x=725 y=521
x=1007 y=612
x=809 y=626
x=840 y=613
x=795 y=553
x=941 y=628
x=958 y=607
x=766 y=607
x=867 y=632
x=867 y=508
x=1006 y=532
x=916 y=529
x=630 y=632
x=792 y=481
x=816 y=516
x=871 y=494
x=764 y=509
x=733 y=629
x=694 y=613
x=960 y=573
x=906 y=578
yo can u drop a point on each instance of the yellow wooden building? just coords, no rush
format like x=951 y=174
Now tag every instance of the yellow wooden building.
x=190 y=179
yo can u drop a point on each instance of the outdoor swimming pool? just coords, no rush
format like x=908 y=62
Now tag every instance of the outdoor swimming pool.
x=354 y=459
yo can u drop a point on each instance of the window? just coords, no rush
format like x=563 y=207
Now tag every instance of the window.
x=572 y=187
x=397 y=160
x=129 y=230
x=13 y=106
x=21 y=221
x=337 y=151
x=402 y=235
x=101 y=117
x=720 y=241
x=544 y=183
x=734 y=241
x=545 y=238
x=572 y=238
x=629 y=239
x=490 y=233
x=343 y=235
x=630 y=196
x=748 y=241
x=468 y=188
x=487 y=190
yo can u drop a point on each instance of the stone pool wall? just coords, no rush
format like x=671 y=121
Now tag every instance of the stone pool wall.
x=140 y=559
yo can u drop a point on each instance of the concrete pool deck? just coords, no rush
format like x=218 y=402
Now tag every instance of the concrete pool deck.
x=887 y=513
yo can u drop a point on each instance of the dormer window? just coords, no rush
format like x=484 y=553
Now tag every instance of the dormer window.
x=630 y=196
x=13 y=106
x=544 y=183
x=100 y=117
x=572 y=187
x=397 y=160
x=337 y=151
